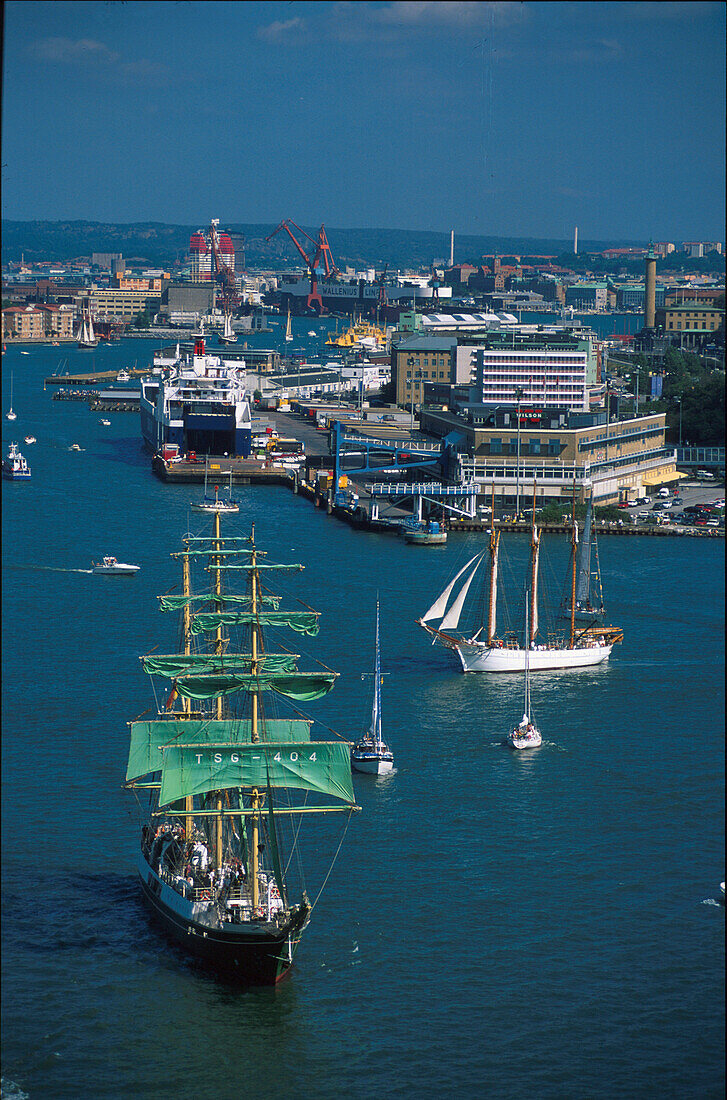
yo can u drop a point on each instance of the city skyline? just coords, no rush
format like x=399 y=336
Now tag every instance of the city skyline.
x=498 y=119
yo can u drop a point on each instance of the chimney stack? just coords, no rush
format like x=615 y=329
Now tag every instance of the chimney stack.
x=575 y=241
x=650 y=289
x=451 y=249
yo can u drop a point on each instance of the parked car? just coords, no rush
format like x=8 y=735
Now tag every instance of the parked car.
x=664 y=492
x=658 y=507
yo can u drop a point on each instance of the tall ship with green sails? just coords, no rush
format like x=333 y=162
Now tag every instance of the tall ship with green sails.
x=229 y=789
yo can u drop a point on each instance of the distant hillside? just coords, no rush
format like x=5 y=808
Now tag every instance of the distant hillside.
x=164 y=245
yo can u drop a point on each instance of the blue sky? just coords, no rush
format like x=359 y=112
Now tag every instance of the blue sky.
x=495 y=118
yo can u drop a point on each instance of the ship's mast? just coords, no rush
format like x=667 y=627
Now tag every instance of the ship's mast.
x=218 y=701
x=254 y=724
x=494 y=543
x=574 y=555
x=534 y=553
x=187 y=703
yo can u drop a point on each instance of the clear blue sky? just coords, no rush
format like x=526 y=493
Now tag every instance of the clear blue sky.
x=494 y=118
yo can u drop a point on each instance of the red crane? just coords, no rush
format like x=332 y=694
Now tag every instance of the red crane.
x=222 y=274
x=322 y=250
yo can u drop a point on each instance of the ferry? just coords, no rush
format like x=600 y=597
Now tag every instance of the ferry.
x=15 y=468
x=198 y=403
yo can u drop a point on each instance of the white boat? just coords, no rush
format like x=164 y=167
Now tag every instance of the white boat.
x=289 y=328
x=371 y=754
x=123 y=376
x=228 y=335
x=526 y=735
x=30 y=439
x=198 y=332
x=212 y=505
x=86 y=337
x=15 y=468
x=104 y=422
x=10 y=414
x=481 y=649
x=110 y=565
x=312 y=332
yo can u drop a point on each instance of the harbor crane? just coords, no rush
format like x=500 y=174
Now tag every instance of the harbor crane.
x=322 y=251
x=223 y=276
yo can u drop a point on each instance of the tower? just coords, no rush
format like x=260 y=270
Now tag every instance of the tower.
x=451 y=250
x=575 y=242
x=650 y=289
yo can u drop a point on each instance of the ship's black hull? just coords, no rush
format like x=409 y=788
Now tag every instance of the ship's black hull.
x=250 y=954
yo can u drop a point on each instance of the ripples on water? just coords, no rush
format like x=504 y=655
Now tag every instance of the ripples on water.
x=498 y=924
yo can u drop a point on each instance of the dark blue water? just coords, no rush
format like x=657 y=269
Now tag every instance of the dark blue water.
x=496 y=924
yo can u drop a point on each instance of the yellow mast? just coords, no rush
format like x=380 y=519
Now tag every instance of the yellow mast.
x=187 y=703
x=254 y=736
x=494 y=540
x=574 y=538
x=218 y=702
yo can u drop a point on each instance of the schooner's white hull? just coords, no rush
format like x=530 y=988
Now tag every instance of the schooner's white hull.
x=479 y=657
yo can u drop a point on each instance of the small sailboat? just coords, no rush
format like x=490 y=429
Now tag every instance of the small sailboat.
x=198 y=330
x=234 y=793
x=110 y=566
x=289 y=328
x=526 y=735
x=371 y=754
x=212 y=505
x=86 y=337
x=228 y=335
x=15 y=468
x=11 y=414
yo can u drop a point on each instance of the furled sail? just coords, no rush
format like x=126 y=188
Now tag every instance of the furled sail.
x=260 y=565
x=302 y=686
x=492 y=611
x=438 y=607
x=320 y=766
x=451 y=619
x=176 y=603
x=148 y=738
x=583 y=573
x=302 y=622
x=175 y=664
x=534 y=593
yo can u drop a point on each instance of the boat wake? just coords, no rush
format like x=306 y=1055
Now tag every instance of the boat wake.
x=713 y=901
x=51 y=569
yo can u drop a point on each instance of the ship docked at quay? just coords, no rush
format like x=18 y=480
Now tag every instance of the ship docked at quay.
x=235 y=790
x=197 y=402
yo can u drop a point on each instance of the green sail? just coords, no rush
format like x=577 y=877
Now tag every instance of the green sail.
x=145 y=754
x=173 y=665
x=321 y=766
x=176 y=603
x=303 y=622
x=302 y=686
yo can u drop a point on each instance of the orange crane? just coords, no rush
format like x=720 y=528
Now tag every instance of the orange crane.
x=314 y=301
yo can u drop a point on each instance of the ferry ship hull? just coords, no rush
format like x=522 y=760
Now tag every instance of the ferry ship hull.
x=255 y=953
x=483 y=658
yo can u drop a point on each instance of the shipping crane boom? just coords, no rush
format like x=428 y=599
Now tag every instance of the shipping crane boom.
x=314 y=301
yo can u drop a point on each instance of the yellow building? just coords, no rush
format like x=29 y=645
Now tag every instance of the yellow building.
x=690 y=320
x=116 y=304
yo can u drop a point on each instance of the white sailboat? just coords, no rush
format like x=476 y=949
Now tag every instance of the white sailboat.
x=482 y=650
x=289 y=328
x=198 y=330
x=11 y=414
x=526 y=735
x=228 y=335
x=210 y=505
x=371 y=754
x=86 y=337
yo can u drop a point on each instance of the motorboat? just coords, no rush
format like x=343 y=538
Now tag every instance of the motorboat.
x=110 y=565
x=30 y=439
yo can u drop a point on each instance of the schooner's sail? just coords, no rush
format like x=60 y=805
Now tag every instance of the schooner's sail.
x=577 y=648
x=225 y=775
x=589 y=593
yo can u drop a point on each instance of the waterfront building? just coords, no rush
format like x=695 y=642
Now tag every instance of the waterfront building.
x=511 y=447
x=690 y=321
x=632 y=296
x=34 y=322
x=121 y=305
x=588 y=295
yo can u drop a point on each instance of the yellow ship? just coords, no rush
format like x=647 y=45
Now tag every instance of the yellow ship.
x=361 y=334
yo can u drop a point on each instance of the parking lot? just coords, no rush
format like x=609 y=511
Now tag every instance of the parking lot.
x=675 y=507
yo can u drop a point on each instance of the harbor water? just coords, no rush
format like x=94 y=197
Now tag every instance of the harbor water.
x=498 y=924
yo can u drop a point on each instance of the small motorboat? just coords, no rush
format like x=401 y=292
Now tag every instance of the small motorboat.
x=104 y=422
x=30 y=439
x=123 y=376
x=75 y=447
x=110 y=565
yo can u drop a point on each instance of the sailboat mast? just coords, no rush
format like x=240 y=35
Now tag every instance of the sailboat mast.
x=254 y=736
x=534 y=554
x=377 y=687
x=218 y=701
x=574 y=567
x=494 y=543
x=187 y=703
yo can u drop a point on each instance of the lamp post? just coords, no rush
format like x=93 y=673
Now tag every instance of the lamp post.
x=679 y=402
x=518 y=399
